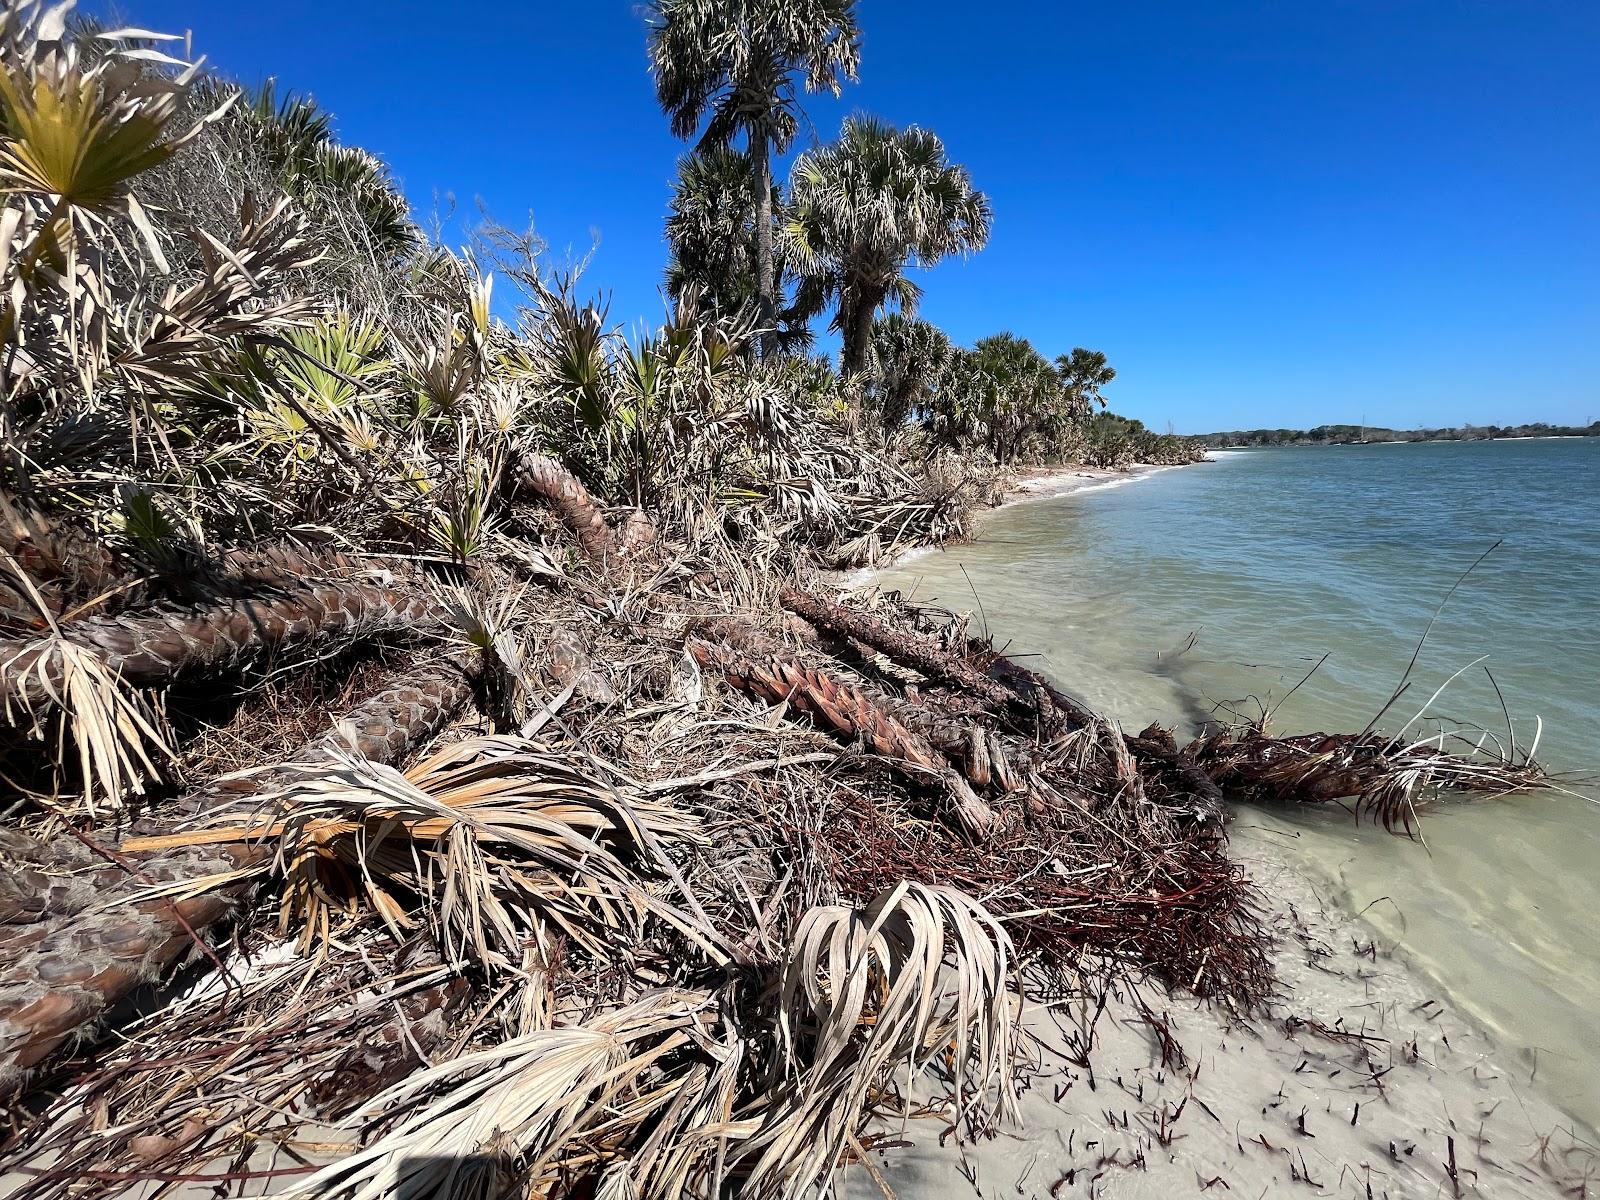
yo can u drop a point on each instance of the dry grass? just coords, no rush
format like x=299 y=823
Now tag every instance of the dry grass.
x=717 y=889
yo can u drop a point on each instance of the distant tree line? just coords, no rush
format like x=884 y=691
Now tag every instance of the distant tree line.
x=858 y=215
x=1345 y=435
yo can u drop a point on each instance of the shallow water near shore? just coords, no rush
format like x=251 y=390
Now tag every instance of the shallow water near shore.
x=1193 y=592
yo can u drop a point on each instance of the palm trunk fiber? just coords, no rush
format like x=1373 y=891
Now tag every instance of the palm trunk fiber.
x=150 y=651
x=71 y=948
x=564 y=492
x=846 y=710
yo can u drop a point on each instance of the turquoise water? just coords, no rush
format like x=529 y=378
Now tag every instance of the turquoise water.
x=1186 y=594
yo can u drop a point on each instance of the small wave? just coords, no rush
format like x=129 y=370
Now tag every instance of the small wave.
x=864 y=575
x=1115 y=483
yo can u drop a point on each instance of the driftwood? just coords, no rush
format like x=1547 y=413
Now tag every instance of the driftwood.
x=904 y=645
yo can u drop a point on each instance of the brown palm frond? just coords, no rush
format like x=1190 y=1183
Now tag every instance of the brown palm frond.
x=97 y=937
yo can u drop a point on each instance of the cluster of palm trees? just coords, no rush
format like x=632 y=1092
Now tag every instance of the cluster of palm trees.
x=859 y=214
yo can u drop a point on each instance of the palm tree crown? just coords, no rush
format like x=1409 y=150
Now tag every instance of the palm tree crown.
x=731 y=64
x=862 y=210
x=711 y=241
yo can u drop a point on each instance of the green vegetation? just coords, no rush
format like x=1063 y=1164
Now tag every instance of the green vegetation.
x=865 y=207
x=1344 y=435
x=482 y=668
x=859 y=215
x=732 y=65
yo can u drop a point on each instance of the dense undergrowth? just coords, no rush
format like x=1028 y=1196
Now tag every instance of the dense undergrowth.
x=431 y=756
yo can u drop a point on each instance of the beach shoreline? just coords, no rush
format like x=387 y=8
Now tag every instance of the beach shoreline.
x=1356 y=1078
x=1026 y=486
x=1359 y=1075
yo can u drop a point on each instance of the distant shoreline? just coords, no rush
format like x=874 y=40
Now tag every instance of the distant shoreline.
x=1353 y=435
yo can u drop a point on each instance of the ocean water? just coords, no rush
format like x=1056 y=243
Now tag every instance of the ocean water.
x=1187 y=594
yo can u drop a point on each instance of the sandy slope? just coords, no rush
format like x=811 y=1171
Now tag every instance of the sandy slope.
x=1278 y=1105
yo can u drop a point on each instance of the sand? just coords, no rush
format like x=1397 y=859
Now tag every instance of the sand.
x=1358 y=1083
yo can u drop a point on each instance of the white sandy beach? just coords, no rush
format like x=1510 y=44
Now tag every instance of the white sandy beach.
x=1358 y=1083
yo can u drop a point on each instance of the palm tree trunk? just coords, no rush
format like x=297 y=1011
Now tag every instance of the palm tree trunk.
x=766 y=270
x=150 y=651
x=832 y=702
x=1055 y=709
x=564 y=492
x=857 y=329
x=84 y=944
x=914 y=649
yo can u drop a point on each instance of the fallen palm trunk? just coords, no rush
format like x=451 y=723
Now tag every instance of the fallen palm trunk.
x=931 y=659
x=914 y=649
x=151 y=651
x=564 y=492
x=847 y=711
x=92 y=941
x=46 y=550
x=979 y=753
x=1385 y=778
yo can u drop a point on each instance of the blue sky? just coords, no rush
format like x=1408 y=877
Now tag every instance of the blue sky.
x=1267 y=212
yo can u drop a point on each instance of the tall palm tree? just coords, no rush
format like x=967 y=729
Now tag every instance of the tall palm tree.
x=734 y=62
x=1083 y=373
x=711 y=235
x=862 y=210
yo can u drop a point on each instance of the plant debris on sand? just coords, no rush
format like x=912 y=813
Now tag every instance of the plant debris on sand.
x=432 y=761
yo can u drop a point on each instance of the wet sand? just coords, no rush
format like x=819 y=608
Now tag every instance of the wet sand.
x=1357 y=1083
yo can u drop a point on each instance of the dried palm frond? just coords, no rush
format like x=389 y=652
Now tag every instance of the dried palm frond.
x=523 y=1108
x=487 y=840
x=74 y=958
x=57 y=691
x=867 y=993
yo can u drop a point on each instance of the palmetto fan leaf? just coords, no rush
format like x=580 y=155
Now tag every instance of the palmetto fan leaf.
x=72 y=137
x=493 y=836
x=869 y=205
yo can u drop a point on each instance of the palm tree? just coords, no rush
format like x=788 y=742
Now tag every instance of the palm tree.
x=734 y=61
x=1083 y=373
x=910 y=358
x=295 y=136
x=878 y=200
x=711 y=233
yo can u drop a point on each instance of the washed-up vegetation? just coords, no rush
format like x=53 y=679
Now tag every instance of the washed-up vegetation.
x=433 y=759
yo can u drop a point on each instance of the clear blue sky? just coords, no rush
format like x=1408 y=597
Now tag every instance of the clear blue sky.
x=1267 y=212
